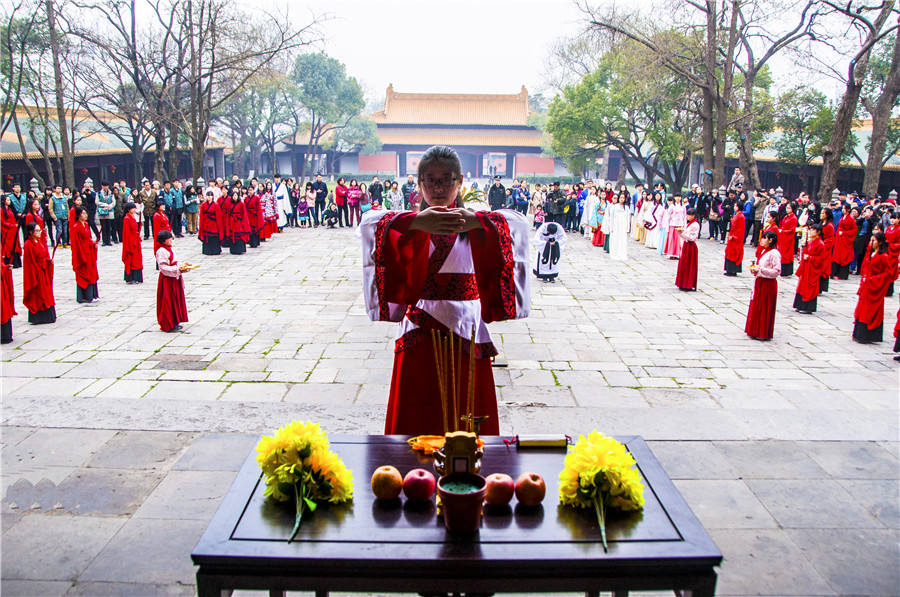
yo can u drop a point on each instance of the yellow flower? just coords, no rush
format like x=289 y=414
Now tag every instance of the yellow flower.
x=598 y=466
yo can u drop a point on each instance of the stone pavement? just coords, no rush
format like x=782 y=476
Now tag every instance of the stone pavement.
x=118 y=440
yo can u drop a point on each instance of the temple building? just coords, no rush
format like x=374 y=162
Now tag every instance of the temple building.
x=490 y=133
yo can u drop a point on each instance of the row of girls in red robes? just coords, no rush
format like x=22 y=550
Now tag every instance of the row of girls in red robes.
x=235 y=220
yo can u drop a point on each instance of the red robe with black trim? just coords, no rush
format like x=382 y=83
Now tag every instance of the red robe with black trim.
x=7 y=301
x=212 y=223
x=254 y=213
x=37 y=276
x=760 y=250
x=9 y=235
x=444 y=284
x=160 y=223
x=131 y=245
x=828 y=239
x=734 y=249
x=843 y=241
x=38 y=220
x=876 y=277
x=813 y=264
x=238 y=225
x=892 y=234
x=787 y=238
x=84 y=255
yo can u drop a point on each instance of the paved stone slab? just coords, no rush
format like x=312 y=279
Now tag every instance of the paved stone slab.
x=692 y=460
x=190 y=495
x=853 y=561
x=127 y=388
x=770 y=460
x=103 y=368
x=10 y=436
x=725 y=504
x=75 y=541
x=255 y=392
x=853 y=460
x=164 y=557
x=55 y=447
x=217 y=452
x=121 y=589
x=30 y=588
x=322 y=393
x=812 y=504
x=20 y=369
x=153 y=450
x=52 y=387
x=764 y=562
x=197 y=390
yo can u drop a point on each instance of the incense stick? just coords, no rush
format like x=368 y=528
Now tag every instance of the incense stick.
x=471 y=397
x=453 y=393
x=435 y=342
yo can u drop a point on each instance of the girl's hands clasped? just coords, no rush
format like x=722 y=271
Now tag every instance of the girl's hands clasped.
x=443 y=220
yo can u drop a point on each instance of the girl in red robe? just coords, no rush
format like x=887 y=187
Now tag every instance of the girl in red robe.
x=84 y=259
x=897 y=336
x=160 y=223
x=37 y=277
x=813 y=265
x=35 y=216
x=211 y=226
x=686 y=278
x=440 y=272
x=237 y=230
x=131 y=246
x=254 y=217
x=787 y=240
x=827 y=217
x=761 y=314
x=7 y=303
x=9 y=235
x=868 y=318
x=171 y=306
x=892 y=235
x=734 y=248
x=769 y=225
x=842 y=256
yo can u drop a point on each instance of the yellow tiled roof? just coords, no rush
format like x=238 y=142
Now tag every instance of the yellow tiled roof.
x=452 y=108
x=460 y=137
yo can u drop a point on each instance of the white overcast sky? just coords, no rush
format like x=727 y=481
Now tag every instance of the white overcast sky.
x=466 y=46
x=433 y=46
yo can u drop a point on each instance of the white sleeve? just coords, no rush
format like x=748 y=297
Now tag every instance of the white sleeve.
x=365 y=232
x=520 y=233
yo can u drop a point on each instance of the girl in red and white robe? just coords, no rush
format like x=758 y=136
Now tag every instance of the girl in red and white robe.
x=447 y=269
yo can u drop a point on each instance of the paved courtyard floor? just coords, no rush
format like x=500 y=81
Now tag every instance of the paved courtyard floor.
x=119 y=441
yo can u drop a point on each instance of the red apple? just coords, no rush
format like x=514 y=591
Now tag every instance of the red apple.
x=418 y=485
x=530 y=489
x=386 y=482
x=500 y=489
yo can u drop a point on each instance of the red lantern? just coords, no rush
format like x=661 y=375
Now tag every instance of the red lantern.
x=112 y=168
x=84 y=170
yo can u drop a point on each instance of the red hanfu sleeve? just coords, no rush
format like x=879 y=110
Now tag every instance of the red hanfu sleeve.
x=812 y=267
x=7 y=301
x=787 y=238
x=494 y=262
x=734 y=249
x=872 y=289
x=401 y=261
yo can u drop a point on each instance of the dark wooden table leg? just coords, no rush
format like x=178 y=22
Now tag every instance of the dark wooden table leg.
x=704 y=586
x=208 y=586
x=321 y=593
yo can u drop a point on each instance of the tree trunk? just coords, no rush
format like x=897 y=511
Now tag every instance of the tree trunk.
x=173 y=152
x=137 y=154
x=34 y=173
x=708 y=134
x=604 y=166
x=843 y=123
x=723 y=97
x=881 y=116
x=159 y=157
x=68 y=157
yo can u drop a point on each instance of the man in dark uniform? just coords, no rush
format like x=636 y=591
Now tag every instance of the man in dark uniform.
x=497 y=195
x=321 y=190
x=376 y=190
x=556 y=203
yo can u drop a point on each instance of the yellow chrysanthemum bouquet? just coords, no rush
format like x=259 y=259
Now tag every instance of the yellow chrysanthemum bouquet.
x=298 y=464
x=599 y=472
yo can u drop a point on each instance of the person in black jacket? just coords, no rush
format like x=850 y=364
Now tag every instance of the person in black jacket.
x=555 y=205
x=727 y=212
x=497 y=195
x=376 y=190
x=864 y=228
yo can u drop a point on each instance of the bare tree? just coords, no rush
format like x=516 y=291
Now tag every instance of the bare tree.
x=871 y=32
x=880 y=109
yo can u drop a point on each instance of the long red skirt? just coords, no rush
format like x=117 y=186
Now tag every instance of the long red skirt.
x=687 y=267
x=597 y=241
x=171 y=307
x=761 y=314
x=414 y=405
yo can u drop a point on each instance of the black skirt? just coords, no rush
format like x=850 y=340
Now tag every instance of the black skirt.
x=897 y=344
x=732 y=268
x=823 y=284
x=15 y=261
x=841 y=272
x=890 y=290
x=86 y=295
x=6 y=332
x=863 y=335
x=238 y=247
x=136 y=275
x=48 y=315
x=802 y=305
x=787 y=269
x=212 y=246
x=254 y=241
